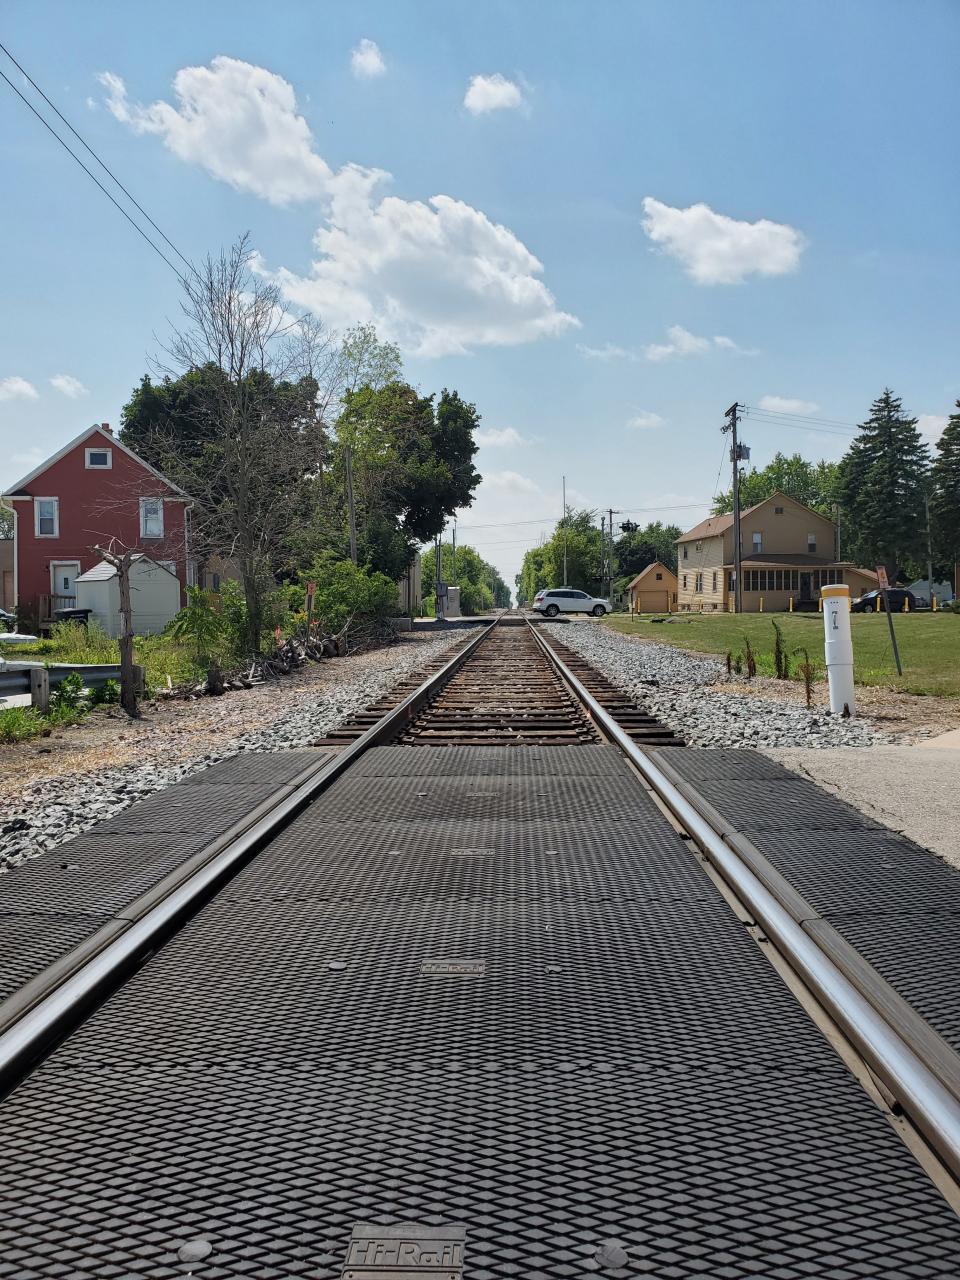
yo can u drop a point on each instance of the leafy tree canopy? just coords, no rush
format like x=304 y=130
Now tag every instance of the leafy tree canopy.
x=481 y=587
x=812 y=483
x=655 y=541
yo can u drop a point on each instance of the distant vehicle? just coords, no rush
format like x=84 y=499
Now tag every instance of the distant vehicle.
x=867 y=603
x=8 y=621
x=568 y=601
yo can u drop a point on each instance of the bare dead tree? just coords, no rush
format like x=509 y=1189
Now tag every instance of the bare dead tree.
x=269 y=379
x=121 y=558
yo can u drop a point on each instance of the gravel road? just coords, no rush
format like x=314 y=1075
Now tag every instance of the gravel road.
x=675 y=687
x=50 y=792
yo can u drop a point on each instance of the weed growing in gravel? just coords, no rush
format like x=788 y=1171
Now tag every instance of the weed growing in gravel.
x=18 y=724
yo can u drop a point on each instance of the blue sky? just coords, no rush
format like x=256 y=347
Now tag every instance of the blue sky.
x=798 y=162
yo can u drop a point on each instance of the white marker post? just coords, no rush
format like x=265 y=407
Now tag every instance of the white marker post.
x=838 y=648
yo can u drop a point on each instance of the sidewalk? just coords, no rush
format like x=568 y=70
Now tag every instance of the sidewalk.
x=912 y=790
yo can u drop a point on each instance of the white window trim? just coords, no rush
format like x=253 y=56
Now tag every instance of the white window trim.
x=56 y=517
x=143 y=533
x=98 y=449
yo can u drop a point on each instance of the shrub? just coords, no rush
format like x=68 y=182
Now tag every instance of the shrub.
x=70 y=694
x=347 y=593
x=781 y=658
x=17 y=724
x=750 y=657
x=200 y=624
x=806 y=670
x=107 y=694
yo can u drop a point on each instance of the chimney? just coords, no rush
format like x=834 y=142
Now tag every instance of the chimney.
x=105 y=426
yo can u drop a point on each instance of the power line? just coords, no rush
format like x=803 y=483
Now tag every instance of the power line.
x=511 y=524
x=186 y=261
x=757 y=411
x=46 y=124
x=844 y=432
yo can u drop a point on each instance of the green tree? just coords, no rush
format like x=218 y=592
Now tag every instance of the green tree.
x=543 y=565
x=655 y=541
x=481 y=586
x=6 y=522
x=945 y=497
x=884 y=478
x=812 y=483
x=412 y=468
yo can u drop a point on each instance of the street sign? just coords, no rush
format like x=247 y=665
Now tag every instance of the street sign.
x=882 y=580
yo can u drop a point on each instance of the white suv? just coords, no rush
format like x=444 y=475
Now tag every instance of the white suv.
x=568 y=601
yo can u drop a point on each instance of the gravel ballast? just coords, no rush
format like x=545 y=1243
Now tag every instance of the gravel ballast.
x=675 y=685
x=40 y=814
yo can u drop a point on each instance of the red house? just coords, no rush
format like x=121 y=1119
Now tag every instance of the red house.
x=92 y=490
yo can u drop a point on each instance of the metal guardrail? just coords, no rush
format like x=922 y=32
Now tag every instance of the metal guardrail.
x=15 y=676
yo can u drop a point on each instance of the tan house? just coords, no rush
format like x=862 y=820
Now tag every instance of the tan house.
x=653 y=590
x=788 y=551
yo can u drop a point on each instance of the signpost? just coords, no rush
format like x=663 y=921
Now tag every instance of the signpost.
x=311 y=592
x=884 y=583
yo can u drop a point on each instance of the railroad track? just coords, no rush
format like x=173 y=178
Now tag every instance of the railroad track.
x=472 y=993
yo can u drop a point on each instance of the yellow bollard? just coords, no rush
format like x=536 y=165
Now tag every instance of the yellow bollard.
x=906 y=604
x=933 y=603
x=820 y=605
x=791 y=604
x=876 y=605
x=761 y=604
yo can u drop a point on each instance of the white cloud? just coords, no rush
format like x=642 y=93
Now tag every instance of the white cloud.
x=73 y=388
x=498 y=437
x=645 y=421
x=931 y=425
x=15 y=388
x=491 y=93
x=681 y=342
x=607 y=353
x=715 y=249
x=510 y=482
x=237 y=121
x=782 y=404
x=366 y=61
x=438 y=277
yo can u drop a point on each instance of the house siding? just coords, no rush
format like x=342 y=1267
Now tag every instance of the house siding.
x=703 y=565
x=94 y=506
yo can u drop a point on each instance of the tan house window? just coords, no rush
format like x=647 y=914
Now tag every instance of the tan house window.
x=659 y=577
x=812 y=543
x=698 y=583
x=778 y=511
x=685 y=554
x=757 y=543
x=699 y=546
x=684 y=582
x=714 y=579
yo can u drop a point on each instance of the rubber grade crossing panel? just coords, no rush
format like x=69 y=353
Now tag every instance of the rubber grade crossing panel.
x=626 y=1088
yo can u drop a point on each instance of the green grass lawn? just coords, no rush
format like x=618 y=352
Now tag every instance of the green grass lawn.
x=929 y=643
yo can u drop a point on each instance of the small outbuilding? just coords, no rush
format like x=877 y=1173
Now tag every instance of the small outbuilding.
x=154 y=595
x=654 y=590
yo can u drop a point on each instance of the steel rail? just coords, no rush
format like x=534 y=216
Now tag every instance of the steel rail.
x=81 y=986
x=924 y=1097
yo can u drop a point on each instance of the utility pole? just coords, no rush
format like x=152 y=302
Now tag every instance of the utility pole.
x=926 y=504
x=738 y=452
x=348 y=473
x=564 y=530
x=438 y=574
x=609 y=595
x=603 y=551
x=453 y=575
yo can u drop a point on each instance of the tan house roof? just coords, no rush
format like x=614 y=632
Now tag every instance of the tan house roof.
x=714 y=525
x=657 y=564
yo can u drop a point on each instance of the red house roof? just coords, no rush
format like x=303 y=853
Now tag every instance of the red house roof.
x=104 y=432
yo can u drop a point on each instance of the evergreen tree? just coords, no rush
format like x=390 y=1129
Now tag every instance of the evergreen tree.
x=884 y=477
x=945 y=498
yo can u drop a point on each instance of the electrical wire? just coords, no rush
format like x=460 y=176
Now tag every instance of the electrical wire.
x=46 y=124
x=83 y=142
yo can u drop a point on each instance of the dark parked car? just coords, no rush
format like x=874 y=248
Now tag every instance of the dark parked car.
x=867 y=603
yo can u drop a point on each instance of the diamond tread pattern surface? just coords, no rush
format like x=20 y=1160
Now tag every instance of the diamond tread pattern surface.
x=624 y=1069
x=50 y=904
x=895 y=902
x=515 y=762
